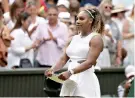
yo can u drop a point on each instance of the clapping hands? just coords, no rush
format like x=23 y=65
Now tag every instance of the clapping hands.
x=39 y=42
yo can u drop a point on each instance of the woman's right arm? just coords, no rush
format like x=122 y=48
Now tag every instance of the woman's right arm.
x=63 y=60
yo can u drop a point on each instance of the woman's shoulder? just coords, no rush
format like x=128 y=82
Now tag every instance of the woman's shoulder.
x=95 y=33
x=97 y=41
x=95 y=36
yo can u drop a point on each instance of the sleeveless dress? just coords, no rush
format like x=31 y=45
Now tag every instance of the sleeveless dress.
x=129 y=45
x=87 y=82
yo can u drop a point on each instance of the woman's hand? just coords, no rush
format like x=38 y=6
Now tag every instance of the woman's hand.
x=33 y=46
x=49 y=72
x=64 y=75
x=36 y=44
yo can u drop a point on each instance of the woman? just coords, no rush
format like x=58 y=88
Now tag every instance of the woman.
x=10 y=17
x=104 y=58
x=22 y=46
x=128 y=36
x=81 y=60
x=35 y=19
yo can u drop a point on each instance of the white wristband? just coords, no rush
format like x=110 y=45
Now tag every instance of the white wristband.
x=71 y=71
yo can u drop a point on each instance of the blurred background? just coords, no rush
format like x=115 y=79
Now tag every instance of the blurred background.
x=33 y=41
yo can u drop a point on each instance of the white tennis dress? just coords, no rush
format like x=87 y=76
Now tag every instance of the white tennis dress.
x=87 y=82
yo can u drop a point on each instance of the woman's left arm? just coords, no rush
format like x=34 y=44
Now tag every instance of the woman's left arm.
x=96 y=47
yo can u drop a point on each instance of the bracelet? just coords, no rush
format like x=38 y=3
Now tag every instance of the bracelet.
x=71 y=72
x=52 y=70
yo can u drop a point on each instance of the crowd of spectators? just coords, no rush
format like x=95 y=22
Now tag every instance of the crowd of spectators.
x=33 y=33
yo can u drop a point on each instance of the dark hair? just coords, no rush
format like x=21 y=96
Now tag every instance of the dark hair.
x=13 y=8
x=22 y=17
x=97 y=24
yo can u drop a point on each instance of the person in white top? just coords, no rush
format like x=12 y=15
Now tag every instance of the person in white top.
x=15 y=9
x=80 y=55
x=128 y=37
x=31 y=7
x=104 y=58
x=22 y=46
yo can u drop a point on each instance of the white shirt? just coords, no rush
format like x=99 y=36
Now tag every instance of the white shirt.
x=16 y=50
x=50 y=52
